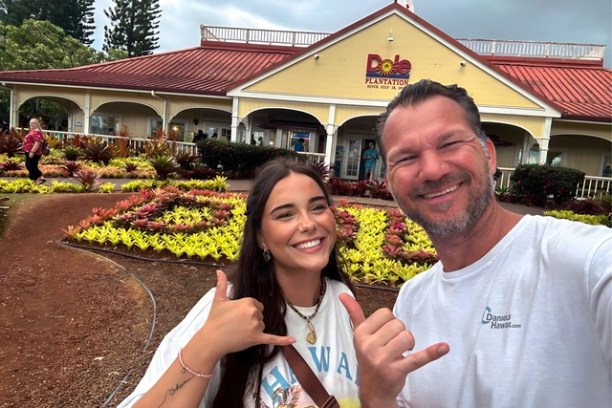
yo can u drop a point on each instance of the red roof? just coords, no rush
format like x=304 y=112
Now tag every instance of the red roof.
x=207 y=70
x=583 y=91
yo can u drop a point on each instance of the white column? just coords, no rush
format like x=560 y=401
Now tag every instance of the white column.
x=13 y=110
x=331 y=135
x=86 y=113
x=279 y=138
x=544 y=140
x=249 y=131
x=235 y=121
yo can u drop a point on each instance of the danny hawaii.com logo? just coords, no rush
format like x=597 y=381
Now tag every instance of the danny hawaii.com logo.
x=503 y=321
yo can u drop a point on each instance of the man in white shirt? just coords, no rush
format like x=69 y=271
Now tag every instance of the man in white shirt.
x=523 y=302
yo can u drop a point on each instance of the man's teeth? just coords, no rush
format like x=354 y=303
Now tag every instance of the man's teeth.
x=439 y=193
x=308 y=244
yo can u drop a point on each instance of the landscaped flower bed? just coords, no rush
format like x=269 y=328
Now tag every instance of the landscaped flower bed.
x=377 y=245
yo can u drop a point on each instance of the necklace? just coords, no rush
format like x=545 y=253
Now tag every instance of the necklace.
x=311 y=337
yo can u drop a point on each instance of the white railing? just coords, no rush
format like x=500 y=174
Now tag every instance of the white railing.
x=312 y=158
x=539 y=49
x=504 y=182
x=260 y=36
x=136 y=143
x=591 y=186
x=507 y=48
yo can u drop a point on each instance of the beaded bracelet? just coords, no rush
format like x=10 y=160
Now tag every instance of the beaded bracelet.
x=190 y=371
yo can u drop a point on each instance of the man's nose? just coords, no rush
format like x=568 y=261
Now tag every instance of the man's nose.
x=432 y=165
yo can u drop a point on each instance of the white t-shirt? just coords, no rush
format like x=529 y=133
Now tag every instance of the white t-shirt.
x=332 y=357
x=529 y=324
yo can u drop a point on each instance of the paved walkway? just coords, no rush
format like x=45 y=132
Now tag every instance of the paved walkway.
x=245 y=185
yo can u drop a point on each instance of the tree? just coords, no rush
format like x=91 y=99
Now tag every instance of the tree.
x=41 y=45
x=134 y=26
x=75 y=17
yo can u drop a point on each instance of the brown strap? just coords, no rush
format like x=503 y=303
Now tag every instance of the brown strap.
x=305 y=376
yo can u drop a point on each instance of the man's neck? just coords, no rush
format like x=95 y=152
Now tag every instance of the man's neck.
x=461 y=250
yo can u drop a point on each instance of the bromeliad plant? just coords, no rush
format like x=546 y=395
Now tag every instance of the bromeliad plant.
x=376 y=245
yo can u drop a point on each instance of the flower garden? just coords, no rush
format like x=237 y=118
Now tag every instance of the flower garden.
x=378 y=246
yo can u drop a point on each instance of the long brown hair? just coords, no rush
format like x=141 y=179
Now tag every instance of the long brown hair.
x=254 y=277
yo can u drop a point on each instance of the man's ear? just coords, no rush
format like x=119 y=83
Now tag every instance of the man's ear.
x=492 y=155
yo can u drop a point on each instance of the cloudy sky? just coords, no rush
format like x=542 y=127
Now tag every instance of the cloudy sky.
x=585 y=21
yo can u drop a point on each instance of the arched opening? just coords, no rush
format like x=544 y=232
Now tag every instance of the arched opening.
x=54 y=112
x=284 y=128
x=212 y=122
x=111 y=117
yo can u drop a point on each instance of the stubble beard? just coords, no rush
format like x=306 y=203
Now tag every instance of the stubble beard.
x=463 y=222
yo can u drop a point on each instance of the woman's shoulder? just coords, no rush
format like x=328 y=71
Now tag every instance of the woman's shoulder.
x=336 y=286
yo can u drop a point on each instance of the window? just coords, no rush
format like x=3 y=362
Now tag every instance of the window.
x=354 y=154
x=155 y=126
x=177 y=130
x=103 y=124
x=296 y=135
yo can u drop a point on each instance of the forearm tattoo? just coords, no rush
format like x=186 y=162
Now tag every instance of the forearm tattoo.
x=173 y=390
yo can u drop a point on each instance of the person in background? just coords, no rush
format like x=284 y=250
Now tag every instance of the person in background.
x=199 y=136
x=523 y=302
x=33 y=149
x=370 y=157
x=299 y=146
x=283 y=290
x=4 y=126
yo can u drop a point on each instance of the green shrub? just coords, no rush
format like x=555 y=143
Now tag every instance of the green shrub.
x=585 y=218
x=164 y=166
x=71 y=153
x=106 y=188
x=96 y=150
x=238 y=160
x=535 y=183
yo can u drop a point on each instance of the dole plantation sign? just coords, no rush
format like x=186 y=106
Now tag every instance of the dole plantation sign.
x=385 y=73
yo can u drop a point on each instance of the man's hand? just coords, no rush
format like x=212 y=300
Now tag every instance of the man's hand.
x=380 y=342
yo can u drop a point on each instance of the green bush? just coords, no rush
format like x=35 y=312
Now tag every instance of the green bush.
x=72 y=153
x=164 y=166
x=535 y=183
x=585 y=218
x=95 y=149
x=238 y=160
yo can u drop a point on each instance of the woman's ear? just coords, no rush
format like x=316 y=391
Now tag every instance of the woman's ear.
x=260 y=241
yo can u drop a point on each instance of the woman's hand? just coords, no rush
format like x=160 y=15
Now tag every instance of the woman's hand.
x=234 y=325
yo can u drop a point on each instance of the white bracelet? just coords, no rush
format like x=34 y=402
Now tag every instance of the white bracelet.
x=190 y=371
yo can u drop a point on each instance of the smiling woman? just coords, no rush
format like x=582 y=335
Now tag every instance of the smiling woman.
x=284 y=292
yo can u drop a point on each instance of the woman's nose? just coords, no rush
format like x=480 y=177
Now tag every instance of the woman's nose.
x=307 y=223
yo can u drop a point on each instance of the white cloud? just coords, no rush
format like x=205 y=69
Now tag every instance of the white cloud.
x=538 y=20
